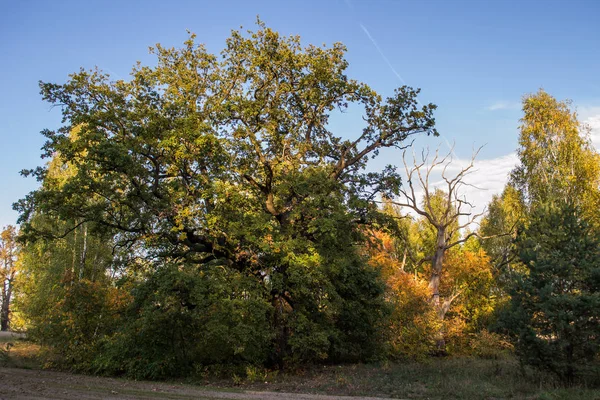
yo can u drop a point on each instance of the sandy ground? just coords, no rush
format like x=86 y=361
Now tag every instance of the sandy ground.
x=18 y=383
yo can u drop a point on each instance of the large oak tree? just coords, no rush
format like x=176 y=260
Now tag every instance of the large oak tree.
x=230 y=161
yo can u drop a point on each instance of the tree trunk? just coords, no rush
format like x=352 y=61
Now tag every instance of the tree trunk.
x=4 y=324
x=434 y=286
x=281 y=329
x=404 y=259
x=74 y=263
x=436 y=268
x=5 y=308
x=83 y=252
x=8 y=251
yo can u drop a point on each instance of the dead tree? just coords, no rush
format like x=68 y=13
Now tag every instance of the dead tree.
x=447 y=221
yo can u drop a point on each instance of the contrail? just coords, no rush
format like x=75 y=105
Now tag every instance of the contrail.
x=391 y=67
x=389 y=64
x=395 y=72
x=387 y=61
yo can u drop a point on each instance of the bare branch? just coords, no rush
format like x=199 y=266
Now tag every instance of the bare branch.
x=475 y=234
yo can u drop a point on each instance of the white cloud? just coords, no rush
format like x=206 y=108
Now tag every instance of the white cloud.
x=487 y=178
x=591 y=117
x=504 y=105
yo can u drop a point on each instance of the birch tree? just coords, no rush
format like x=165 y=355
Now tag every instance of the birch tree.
x=9 y=250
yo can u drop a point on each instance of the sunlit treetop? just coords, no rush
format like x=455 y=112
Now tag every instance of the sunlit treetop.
x=201 y=151
x=557 y=160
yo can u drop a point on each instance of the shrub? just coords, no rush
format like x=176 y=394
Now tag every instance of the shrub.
x=555 y=305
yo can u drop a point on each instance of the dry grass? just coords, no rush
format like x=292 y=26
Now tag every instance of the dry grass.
x=439 y=378
x=16 y=351
x=453 y=378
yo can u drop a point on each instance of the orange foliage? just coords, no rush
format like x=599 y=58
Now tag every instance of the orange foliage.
x=467 y=275
x=383 y=255
x=413 y=321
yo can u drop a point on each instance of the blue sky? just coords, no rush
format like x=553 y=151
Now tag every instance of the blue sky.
x=474 y=59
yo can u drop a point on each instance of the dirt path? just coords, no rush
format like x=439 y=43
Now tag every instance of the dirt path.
x=6 y=335
x=35 y=384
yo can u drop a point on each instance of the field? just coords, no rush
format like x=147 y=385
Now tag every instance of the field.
x=453 y=378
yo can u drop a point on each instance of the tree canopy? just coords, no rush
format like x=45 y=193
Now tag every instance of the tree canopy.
x=554 y=306
x=207 y=215
x=557 y=160
x=225 y=171
x=552 y=262
x=173 y=153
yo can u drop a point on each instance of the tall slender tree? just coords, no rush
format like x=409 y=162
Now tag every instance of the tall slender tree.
x=556 y=159
x=554 y=293
x=9 y=250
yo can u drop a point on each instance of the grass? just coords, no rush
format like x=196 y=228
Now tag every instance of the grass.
x=437 y=378
x=18 y=353
x=451 y=378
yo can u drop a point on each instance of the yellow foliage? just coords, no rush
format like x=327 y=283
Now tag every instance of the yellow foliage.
x=469 y=274
x=382 y=255
x=414 y=322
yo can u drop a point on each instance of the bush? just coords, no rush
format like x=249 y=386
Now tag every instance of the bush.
x=181 y=318
x=489 y=345
x=413 y=322
x=555 y=305
x=72 y=328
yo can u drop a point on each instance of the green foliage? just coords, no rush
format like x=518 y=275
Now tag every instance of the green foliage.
x=86 y=313
x=362 y=311
x=551 y=279
x=557 y=159
x=182 y=317
x=504 y=213
x=555 y=304
x=9 y=250
x=66 y=294
x=233 y=211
